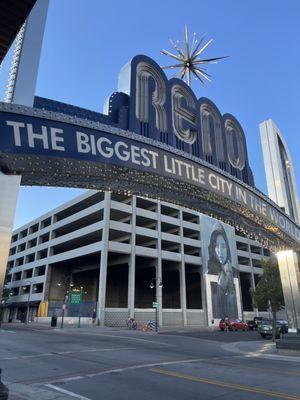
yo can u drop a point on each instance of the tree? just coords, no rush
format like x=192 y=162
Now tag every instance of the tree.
x=268 y=292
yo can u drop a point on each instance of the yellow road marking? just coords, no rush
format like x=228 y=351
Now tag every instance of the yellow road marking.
x=238 y=365
x=225 y=384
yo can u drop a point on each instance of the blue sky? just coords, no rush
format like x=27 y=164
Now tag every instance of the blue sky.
x=86 y=43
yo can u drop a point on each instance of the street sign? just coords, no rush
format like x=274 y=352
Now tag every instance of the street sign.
x=75 y=296
x=155 y=304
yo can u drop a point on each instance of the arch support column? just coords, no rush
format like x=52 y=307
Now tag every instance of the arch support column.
x=8 y=200
x=21 y=90
x=290 y=279
x=131 y=263
x=103 y=259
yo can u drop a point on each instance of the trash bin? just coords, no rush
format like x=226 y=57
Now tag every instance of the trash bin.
x=54 y=320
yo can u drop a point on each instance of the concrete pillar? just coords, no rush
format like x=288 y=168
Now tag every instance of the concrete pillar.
x=159 y=267
x=8 y=200
x=131 y=264
x=290 y=279
x=103 y=259
x=25 y=63
x=21 y=86
x=252 y=280
x=182 y=274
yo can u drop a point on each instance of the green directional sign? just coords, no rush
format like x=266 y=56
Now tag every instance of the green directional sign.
x=155 y=304
x=75 y=296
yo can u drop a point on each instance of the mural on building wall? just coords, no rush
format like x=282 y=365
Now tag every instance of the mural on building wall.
x=219 y=257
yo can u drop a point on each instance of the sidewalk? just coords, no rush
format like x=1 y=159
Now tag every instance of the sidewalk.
x=90 y=327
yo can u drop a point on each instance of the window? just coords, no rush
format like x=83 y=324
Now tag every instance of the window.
x=40 y=271
x=33 y=228
x=27 y=273
x=17 y=276
x=32 y=243
x=256 y=249
x=82 y=205
x=186 y=216
x=42 y=254
x=242 y=246
x=169 y=211
x=46 y=222
x=19 y=261
x=21 y=247
x=29 y=258
x=14 y=291
x=12 y=251
x=44 y=238
x=23 y=234
x=38 y=288
x=244 y=260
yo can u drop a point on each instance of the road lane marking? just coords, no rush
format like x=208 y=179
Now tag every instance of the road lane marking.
x=6 y=331
x=150 y=365
x=94 y=350
x=65 y=352
x=132 y=367
x=277 y=357
x=240 y=365
x=124 y=337
x=64 y=391
x=225 y=384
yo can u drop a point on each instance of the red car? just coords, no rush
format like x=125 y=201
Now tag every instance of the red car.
x=234 y=324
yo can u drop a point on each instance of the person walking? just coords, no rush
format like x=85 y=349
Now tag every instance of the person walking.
x=94 y=317
x=226 y=320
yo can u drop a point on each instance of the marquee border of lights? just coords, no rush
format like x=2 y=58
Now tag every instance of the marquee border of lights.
x=117 y=178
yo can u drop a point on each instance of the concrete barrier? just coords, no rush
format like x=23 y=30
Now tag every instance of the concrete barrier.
x=289 y=341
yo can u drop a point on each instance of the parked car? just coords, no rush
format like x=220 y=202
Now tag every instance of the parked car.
x=257 y=321
x=284 y=325
x=254 y=323
x=266 y=328
x=252 y=326
x=234 y=324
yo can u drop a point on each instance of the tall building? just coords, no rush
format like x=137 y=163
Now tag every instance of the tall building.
x=279 y=169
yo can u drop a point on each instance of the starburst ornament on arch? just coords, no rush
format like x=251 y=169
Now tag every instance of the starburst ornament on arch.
x=189 y=59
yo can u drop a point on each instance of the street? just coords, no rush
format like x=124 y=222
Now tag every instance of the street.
x=101 y=363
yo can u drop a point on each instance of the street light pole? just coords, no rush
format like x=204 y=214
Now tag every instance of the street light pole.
x=66 y=298
x=79 y=313
x=152 y=286
x=63 y=311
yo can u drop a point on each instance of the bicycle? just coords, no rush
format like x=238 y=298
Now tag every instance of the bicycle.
x=149 y=326
x=131 y=324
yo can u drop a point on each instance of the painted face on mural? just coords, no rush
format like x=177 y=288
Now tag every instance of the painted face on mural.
x=221 y=249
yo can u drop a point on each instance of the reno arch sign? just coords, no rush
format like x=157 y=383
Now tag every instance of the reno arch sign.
x=169 y=112
x=156 y=139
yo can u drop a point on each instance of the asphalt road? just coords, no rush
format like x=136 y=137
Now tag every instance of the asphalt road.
x=93 y=364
